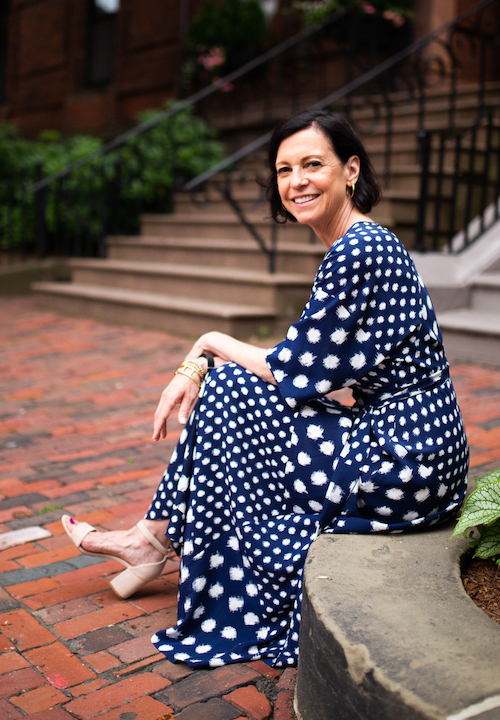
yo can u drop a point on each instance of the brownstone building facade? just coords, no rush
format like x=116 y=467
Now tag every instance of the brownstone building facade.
x=87 y=65
x=91 y=65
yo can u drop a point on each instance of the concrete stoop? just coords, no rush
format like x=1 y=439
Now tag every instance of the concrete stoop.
x=389 y=633
x=465 y=290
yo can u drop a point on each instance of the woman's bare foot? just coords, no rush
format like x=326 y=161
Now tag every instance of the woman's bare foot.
x=129 y=545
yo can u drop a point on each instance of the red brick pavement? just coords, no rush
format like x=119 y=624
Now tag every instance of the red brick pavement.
x=76 y=405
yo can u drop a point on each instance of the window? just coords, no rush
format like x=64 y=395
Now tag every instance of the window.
x=100 y=42
x=4 y=27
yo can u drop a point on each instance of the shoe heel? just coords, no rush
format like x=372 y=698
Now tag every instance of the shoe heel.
x=134 y=578
x=126 y=583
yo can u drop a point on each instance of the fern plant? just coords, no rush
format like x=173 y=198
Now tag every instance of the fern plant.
x=482 y=511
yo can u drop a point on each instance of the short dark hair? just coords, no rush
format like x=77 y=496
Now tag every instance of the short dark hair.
x=345 y=142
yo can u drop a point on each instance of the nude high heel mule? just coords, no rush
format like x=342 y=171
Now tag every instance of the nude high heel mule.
x=134 y=577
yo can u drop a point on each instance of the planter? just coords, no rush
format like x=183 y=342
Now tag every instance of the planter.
x=388 y=632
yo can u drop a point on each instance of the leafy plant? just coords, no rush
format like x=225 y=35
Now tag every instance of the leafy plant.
x=139 y=176
x=222 y=36
x=394 y=11
x=482 y=511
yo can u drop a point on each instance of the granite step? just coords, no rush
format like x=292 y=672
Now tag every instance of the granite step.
x=471 y=335
x=178 y=315
x=286 y=292
x=217 y=252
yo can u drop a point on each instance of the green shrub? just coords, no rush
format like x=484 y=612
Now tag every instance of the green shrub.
x=147 y=169
x=231 y=25
x=482 y=511
x=222 y=37
x=394 y=11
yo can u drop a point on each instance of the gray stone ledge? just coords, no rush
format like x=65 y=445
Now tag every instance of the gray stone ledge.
x=389 y=633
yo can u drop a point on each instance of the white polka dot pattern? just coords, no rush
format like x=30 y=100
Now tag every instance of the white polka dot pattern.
x=259 y=469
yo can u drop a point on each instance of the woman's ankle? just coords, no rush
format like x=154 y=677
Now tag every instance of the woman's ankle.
x=158 y=528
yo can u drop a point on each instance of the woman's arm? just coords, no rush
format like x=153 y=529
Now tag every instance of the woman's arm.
x=183 y=391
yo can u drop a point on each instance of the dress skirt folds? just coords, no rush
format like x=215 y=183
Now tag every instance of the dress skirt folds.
x=261 y=469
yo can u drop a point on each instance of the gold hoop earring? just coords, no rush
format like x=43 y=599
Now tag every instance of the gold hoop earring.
x=352 y=188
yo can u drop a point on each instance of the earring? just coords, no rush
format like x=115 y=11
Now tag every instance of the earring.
x=352 y=188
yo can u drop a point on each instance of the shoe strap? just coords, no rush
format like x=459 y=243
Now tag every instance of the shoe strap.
x=80 y=532
x=151 y=538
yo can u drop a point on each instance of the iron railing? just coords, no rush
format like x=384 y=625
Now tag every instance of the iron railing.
x=426 y=77
x=71 y=211
x=460 y=183
x=441 y=80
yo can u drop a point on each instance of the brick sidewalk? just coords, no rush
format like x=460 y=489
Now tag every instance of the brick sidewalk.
x=75 y=417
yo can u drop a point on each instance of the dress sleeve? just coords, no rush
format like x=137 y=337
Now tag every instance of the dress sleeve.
x=366 y=298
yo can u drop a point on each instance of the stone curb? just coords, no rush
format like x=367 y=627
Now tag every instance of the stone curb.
x=389 y=633
x=16 y=279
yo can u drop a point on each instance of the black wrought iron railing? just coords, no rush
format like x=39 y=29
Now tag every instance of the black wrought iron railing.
x=444 y=81
x=71 y=211
x=460 y=183
x=441 y=84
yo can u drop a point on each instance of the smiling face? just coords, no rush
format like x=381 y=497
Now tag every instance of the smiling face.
x=312 y=182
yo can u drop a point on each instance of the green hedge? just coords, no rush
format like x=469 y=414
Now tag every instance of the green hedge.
x=150 y=166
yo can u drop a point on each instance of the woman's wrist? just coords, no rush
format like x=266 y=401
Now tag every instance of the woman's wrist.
x=207 y=359
x=193 y=370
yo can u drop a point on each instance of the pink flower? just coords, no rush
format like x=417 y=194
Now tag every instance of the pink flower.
x=369 y=8
x=214 y=58
x=398 y=20
x=389 y=15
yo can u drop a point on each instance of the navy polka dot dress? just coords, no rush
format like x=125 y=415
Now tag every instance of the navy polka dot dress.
x=261 y=469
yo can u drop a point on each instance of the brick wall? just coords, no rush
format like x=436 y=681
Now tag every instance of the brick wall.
x=46 y=67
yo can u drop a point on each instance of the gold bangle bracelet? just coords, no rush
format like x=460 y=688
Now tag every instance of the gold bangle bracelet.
x=193 y=365
x=196 y=366
x=188 y=372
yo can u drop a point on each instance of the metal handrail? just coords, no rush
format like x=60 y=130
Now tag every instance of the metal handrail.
x=475 y=173
x=205 y=92
x=76 y=228
x=444 y=36
x=338 y=94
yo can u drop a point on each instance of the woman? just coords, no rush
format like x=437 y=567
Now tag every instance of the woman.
x=266 y=460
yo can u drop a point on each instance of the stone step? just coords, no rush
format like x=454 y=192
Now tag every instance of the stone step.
x=258 y=116
x=466 y=93
x=485 y=294
x=285 y=292
x=247 y=197
x=220 y=225
x=471 y=335
x=177 y=315
x=217 y=207
x=405 y=132
x=216 y=253
x=436 y=109
x=397 y=211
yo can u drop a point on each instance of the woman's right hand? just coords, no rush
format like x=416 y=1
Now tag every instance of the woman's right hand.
x=180 y=391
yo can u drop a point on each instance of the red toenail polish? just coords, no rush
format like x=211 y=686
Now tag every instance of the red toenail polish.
x=71 y=521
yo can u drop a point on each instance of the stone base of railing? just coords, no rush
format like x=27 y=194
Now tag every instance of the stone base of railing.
x=389 y=633
x=16 y=278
